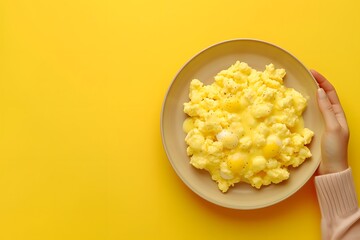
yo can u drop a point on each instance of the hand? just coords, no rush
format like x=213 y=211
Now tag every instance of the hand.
x=334 y=145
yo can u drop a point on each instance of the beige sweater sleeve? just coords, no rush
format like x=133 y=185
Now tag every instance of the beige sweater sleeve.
x=338 y=205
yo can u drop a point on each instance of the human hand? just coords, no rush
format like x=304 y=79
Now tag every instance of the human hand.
x=334 y=144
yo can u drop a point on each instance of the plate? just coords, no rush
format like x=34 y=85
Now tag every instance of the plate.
x=204 y=66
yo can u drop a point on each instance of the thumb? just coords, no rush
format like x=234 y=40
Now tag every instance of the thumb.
x=327 y=110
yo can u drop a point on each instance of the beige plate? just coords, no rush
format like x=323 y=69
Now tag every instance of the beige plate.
x=204 y=66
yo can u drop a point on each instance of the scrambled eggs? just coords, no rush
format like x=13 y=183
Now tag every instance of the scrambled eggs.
x=246 y=126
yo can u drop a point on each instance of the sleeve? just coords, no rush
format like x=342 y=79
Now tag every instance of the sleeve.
x=339 y=206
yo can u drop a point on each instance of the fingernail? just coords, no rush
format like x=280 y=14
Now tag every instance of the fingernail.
x=321 y=93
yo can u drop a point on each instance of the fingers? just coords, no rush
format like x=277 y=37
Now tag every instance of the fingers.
x=327 y=86
x=326 y=108
x=340 y=116
x=332 y=96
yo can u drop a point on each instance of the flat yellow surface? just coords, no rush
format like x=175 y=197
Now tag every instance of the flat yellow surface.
x=81 y=90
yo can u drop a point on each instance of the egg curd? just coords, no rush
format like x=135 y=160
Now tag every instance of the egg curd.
x=246 y=126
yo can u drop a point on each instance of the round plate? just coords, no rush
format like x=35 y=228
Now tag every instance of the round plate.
x=204 y=66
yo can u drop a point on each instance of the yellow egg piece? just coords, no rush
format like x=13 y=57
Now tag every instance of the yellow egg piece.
x=236 y=162
x=228 y=139
x=232 y=104
x=270 y=150
x=188 y=125
x=258 y=164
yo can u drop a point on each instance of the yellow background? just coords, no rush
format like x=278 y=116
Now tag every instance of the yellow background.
x=81 y=90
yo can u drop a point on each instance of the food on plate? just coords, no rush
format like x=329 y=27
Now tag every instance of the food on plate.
x=246 y=126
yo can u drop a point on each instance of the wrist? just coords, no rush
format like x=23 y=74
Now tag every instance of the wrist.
x=332 y=168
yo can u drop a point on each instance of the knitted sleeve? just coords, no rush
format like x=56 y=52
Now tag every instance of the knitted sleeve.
x=339 y=206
